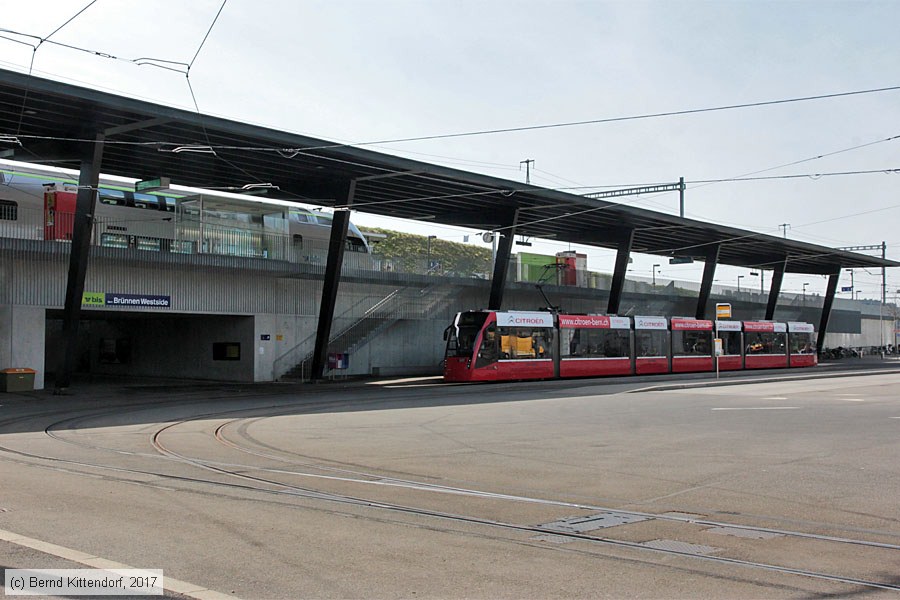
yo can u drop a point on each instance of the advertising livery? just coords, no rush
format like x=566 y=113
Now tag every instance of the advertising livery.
x=487 y=345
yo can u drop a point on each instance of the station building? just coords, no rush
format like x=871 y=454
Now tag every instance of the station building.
x=100 y=277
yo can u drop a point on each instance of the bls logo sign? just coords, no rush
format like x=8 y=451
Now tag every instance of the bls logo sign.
x=93 y=299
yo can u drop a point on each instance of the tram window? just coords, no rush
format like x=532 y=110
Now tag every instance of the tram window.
x=802 y=343
x=765 y=342
x=691 y=343
x=518 y=343
x=488 y=351
x=297 y=241
x=226 y=351
x=650 y=342
x=731 y=343
x=9 y=210
x=596 y=343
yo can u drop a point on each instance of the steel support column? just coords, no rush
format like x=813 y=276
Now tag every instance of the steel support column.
x=775 y=290
x=623 y=255
x=82 y=226
x=709 y=273
x=826 y=309
x=501 y=263
x=336 y=244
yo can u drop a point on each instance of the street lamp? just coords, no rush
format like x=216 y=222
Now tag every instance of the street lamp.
x=852 y=287
x=654 y=273
x=804 y=291
x=739 y=283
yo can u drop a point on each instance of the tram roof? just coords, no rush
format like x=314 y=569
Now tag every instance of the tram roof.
x=146 y=140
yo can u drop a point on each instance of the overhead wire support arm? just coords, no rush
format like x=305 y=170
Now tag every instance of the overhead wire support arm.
x=649 y=189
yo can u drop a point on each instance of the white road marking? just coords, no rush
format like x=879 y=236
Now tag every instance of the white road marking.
x=774 y=398
x=852 y=399
x=760 y=408
x=170 y=583
x=893 y=417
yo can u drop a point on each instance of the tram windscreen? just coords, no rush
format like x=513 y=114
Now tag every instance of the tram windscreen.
x=463 y=333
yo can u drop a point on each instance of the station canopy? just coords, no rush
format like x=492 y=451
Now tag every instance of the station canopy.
x=49 y=122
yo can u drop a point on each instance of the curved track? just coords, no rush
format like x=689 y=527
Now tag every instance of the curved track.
x=218 y=444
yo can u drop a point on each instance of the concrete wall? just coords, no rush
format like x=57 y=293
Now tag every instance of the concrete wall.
x=413 y=347
x=869 y=335
x=284 y=333
x=207 y=299
x=22 y=340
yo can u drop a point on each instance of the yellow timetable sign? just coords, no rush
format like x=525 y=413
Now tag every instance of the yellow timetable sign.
x=93 y=299
x=723 y=311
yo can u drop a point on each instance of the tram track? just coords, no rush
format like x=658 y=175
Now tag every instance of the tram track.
x=538 y=530
x=263 y=484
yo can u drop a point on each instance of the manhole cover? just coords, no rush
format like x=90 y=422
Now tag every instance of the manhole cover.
x=592 y=522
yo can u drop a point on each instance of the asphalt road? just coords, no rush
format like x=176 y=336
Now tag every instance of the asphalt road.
x=593 y=488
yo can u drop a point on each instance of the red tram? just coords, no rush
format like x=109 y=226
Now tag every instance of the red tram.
x=487 y=345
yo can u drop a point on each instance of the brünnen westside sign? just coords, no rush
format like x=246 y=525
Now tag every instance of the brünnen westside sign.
x=129 y=300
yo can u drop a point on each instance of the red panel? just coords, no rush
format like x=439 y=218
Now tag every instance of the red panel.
x=691 y=325
x=524 y=369
x=455 y=369
x=691 y=364
x=593 y=368
x=568 y=275
x=644 y=366
x=759 y=326
x=59 y=215
x=765 y=361
x=804 y=360
x=730 y=363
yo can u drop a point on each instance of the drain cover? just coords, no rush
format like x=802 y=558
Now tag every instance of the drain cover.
x=676 y=546
x=553 y=539
x=591 y=522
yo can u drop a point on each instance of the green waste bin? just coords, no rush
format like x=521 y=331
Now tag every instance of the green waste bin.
x=17 y=380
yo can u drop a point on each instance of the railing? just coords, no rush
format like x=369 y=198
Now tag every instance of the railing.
x=162 y=232
x=296 y=355
x=156 y=231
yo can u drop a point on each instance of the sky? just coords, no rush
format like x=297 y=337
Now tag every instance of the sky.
x=361 y=71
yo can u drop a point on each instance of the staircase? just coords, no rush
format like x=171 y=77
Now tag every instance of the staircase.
x=401 y=303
